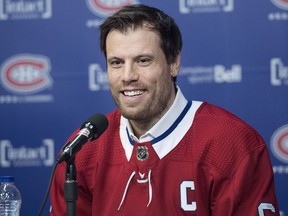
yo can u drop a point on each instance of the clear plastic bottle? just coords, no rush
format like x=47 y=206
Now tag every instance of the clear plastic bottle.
x=10 y=197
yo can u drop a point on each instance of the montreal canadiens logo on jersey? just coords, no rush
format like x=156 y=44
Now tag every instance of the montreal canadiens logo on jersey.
x=26 y=74
x=104 y=8
x=283 y=4
x=279 y=143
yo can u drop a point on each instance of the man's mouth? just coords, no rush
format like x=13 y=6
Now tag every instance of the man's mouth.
x=133 y=93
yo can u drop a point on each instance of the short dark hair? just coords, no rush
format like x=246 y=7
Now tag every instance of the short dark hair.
x=139 y=15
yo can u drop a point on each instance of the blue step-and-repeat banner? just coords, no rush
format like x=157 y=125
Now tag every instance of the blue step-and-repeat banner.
x=53 y=76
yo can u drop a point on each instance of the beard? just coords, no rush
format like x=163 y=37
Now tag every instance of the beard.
x=139 y=113
x=146 y=113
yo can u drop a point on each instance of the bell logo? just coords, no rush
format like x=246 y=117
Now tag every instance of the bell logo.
x=222 y=75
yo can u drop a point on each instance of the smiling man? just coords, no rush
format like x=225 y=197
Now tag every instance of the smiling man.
x=139 y=75
x=163 y=154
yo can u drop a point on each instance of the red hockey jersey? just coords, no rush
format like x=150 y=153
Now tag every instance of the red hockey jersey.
x=221 y=167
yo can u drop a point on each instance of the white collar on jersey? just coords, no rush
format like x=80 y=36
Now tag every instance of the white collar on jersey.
x=161 y=127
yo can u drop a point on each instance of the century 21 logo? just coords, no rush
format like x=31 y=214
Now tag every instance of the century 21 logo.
x=26 y=74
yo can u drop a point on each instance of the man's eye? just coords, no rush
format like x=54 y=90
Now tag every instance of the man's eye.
x=144 y=61
x=115 y=63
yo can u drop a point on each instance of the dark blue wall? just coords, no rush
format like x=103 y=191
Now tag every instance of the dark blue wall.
x=53 y=76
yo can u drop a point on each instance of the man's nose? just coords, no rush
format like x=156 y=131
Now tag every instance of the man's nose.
x=129 y=73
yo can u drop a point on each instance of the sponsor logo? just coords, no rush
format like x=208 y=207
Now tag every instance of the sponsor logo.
x=142 y=153
x=279 y=144
x=205 y=6
x=11 y=156
x=215 y=74
x=84 y=132
x=105 y=8
x=282 y=4
x=98 y=79
x=278 y=16
x=26 y=74
x=25 y=9
x=15 y=99
x=279 y=72
x=281 y=170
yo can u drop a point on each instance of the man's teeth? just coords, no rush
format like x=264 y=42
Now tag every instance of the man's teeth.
x=132 y=93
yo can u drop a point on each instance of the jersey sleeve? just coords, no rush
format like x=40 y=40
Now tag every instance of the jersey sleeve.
x=250 y=191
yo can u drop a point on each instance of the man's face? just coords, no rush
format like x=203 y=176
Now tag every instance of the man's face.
x=139 y=76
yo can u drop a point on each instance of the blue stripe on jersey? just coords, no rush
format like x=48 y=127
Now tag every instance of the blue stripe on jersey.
x=130 y=139
x=170 y=129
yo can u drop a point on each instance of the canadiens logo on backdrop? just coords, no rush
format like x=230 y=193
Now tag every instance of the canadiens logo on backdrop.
x=214 y=74
x=25 y=9
x=283 y=4
x=23 y=156
x=98 y=80
x=24 y=75
x=107 y=7
x=104 y=8
x=279 y=143
x=205 y=6
x=279 y=15
x=279 y=72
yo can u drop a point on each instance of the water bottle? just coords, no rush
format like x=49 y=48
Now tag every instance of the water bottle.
x=10 y=197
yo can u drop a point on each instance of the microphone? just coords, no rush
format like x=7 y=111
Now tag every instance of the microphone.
x=90 y=130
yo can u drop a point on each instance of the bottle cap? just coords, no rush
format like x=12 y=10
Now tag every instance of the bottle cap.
x=6 y=178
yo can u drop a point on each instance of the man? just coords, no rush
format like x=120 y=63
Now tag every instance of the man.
x=162 y=154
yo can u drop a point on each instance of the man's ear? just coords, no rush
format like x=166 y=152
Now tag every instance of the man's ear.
x=175 y=66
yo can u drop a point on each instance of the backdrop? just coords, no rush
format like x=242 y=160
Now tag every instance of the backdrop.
x=53 y=76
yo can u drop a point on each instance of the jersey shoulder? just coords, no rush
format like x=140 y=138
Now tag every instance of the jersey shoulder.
x=219 y=139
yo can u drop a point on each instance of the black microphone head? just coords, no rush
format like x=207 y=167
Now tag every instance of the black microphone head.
x=99 y=123
x=91 y=129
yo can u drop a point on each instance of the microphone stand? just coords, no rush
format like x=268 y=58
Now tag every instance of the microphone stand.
x=70 y=188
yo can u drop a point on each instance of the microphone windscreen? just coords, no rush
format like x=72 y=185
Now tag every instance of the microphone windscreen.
x=99 y=121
